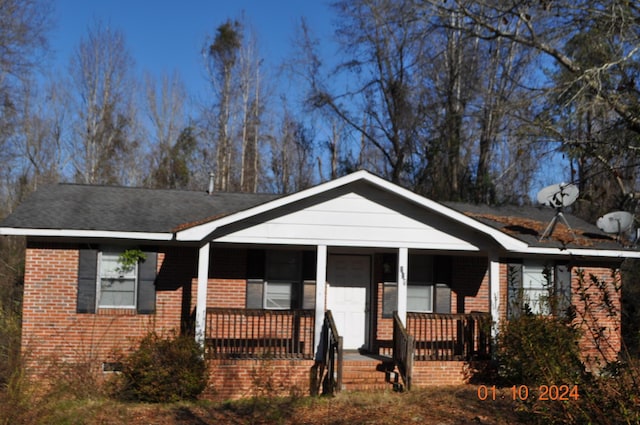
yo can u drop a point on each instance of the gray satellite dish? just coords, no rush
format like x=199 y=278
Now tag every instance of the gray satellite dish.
x=558 y=196
x=615 y=222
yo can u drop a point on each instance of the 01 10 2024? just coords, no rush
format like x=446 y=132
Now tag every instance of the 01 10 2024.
x=524 y=392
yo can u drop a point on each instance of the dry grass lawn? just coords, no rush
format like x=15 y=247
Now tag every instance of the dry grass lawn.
x=442 y=406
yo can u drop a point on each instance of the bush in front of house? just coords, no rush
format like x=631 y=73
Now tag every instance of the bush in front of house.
x=163 y=370
x=539 y=350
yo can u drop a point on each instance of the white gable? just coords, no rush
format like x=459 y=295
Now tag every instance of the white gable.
x=364 y=217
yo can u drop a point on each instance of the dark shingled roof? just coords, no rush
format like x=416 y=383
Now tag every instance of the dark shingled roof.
x=85 y=207
x=110 y=208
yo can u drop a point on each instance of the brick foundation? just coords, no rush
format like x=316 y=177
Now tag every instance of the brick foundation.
x=435 y=373
x=232 y=379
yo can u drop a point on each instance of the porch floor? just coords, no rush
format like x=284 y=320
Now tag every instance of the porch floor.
x=356 y=355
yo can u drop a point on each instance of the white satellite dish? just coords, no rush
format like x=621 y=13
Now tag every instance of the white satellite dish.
x=558 y=195
x=615 y=222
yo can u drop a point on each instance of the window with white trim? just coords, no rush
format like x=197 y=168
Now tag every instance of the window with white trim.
x=420 y=284
x=280 y=279
x=103 y=284
x=428 y=284
x=117 y=285
x=537 y=287
x=282 y=273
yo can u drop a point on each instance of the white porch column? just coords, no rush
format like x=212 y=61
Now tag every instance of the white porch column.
x=403 y=267
x=494 y=293
x=201 y=300
x=321 y=279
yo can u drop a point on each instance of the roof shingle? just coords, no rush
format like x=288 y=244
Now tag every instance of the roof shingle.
x=111 y=208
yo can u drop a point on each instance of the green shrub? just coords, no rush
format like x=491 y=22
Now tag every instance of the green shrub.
x=539 y=350
x=164 y=370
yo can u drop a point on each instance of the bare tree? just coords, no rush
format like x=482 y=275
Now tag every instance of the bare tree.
x=385 y=46
x=234 y=121
x=40 y=142
x=291 y=156
x=221 y=56
x=24 y=27
x=105 y=121
x=173 y=141
x=592 y=48
x=252 y=97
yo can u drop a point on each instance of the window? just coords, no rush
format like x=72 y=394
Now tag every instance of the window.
x=420 y=284
x=117 y=285
x=428 y=284
x=281 y=279
x=103 y=284
x=536 y=287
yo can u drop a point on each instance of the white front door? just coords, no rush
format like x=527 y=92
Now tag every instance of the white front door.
x=347 y=297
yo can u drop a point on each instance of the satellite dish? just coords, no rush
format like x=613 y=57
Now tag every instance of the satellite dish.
x=558 y=195
x=615 y=222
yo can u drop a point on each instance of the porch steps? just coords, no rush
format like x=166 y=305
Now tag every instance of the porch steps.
x=368 y=374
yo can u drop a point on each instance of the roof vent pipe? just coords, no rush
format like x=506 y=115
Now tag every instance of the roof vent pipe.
x=211 y=177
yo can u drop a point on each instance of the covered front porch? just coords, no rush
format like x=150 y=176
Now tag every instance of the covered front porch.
x=373 y=255
x=266 y=335
x=365 y=290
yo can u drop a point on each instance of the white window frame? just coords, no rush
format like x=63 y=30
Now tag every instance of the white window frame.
x=429 y=287
x=292 y=282
x=100 y=277
x=272 y=284
x=533 y=270
x=427 y=284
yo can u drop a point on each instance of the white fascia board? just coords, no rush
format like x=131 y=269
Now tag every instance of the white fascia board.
x=503 y=239
x=69 y=233
x=578 y=252
x=200 y=232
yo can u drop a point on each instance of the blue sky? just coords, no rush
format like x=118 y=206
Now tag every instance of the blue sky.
x=165 y=36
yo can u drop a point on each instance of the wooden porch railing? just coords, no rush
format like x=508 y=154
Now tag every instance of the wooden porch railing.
x=450 y=336
x=403 y=349
x=253 y=333
x=327 y=371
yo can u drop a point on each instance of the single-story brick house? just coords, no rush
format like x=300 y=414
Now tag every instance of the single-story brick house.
x=416 y=285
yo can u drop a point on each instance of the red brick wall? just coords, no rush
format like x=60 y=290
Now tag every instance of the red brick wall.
x=597 y=299
x=231 y=379
x=435 y=373
x=227 y=278
x=598 y=308
x=470 y=284
x=53 y=332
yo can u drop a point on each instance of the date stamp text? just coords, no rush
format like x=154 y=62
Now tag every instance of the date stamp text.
x=524 y=392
